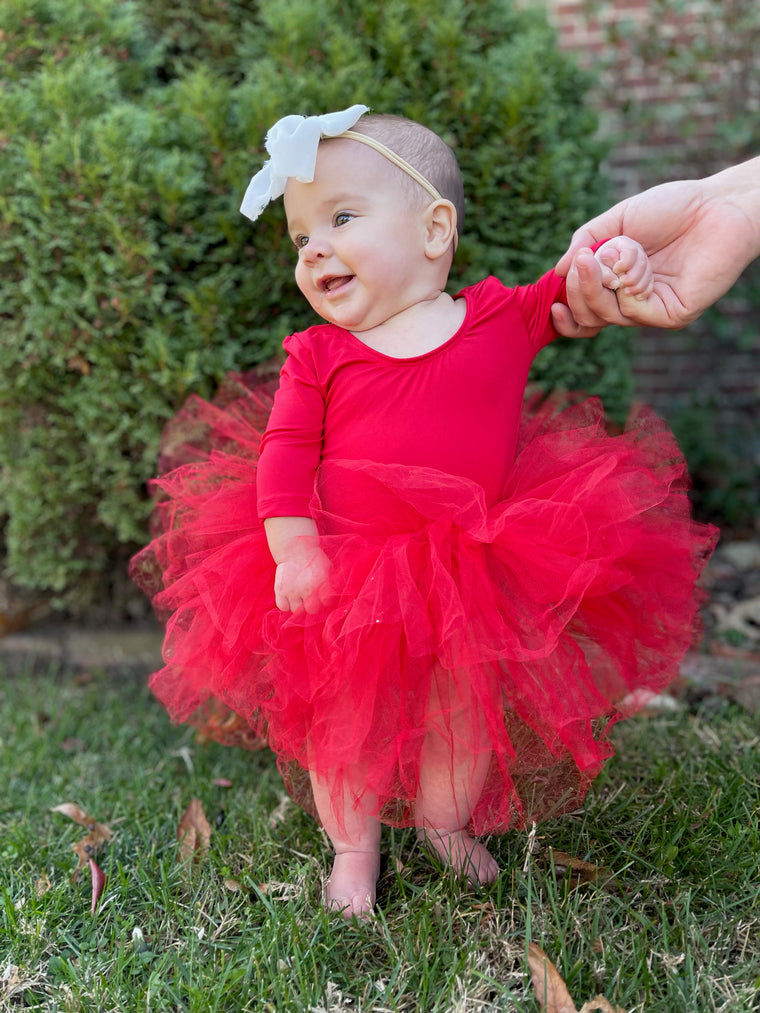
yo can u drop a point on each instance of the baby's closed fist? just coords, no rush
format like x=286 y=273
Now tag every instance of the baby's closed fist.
x=625 y=269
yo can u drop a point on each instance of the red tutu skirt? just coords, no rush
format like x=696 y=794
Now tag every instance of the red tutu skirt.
x=524 y=630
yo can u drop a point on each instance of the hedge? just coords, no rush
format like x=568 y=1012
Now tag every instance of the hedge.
x=128 y=278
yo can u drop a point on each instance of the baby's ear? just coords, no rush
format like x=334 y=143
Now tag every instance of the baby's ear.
x=441 y=228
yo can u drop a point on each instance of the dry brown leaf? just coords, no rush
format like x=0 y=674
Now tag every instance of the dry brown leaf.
x=551 y=991
x=77 y=814
x=600 y=1005
x=43 y=885
x=98 y=834
x=12 y=981
x=579 y=871
x=194 y=833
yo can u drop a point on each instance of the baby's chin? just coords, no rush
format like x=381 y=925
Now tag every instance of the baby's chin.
x=343 y=320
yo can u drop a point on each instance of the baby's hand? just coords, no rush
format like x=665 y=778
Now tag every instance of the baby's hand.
x=625 y=270
x=303 y=580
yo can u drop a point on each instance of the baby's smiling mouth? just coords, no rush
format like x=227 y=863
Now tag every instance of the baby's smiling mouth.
x=334 y=282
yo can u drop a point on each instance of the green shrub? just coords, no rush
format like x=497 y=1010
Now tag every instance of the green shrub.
x=128 y=278
x=724 y=462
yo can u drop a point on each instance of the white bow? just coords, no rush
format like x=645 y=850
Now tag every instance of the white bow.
x=292 y=146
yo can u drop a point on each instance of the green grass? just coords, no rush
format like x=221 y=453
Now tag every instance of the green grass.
x=674 y=816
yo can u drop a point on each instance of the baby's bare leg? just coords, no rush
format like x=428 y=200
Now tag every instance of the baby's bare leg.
x=451 y=780
x=351 y=887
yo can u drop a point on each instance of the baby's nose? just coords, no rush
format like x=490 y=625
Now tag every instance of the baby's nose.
x=315 y=248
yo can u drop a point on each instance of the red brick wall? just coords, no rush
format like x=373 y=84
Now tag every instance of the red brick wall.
x=679 y=95
x=673 y=75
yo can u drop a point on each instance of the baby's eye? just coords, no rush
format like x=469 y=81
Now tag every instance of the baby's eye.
x=300 y=241
x=343 y=217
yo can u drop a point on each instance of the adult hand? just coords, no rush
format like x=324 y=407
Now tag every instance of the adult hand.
x=699 y=235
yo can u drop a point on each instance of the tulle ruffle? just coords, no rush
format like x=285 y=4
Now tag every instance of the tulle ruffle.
x=524 y=629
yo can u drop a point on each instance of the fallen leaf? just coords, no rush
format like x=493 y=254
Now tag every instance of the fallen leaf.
x=98 y=834
x=577 y=870
x=551 y=991
x=11 y=979
x=600 y=1005
x=43 y=885
x=194 y=833
x=99 y=880
x=74 y=812
x=13 y=983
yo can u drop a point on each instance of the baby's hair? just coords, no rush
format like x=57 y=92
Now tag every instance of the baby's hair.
x=423 y=149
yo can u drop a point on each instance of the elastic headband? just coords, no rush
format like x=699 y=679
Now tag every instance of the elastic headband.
x=396 y=159
x=292 y=145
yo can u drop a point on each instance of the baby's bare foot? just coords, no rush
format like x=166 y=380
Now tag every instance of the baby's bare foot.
x=352 y=884
x=466 y=856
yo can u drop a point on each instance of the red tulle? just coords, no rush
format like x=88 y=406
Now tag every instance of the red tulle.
x=526 y=629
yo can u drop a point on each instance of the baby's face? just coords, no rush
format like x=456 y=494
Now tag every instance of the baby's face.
x=360 y=236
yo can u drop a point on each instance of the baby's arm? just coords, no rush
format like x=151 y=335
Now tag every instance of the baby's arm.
x=303 y=570
x=625 y=270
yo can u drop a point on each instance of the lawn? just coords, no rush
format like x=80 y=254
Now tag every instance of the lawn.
x=670 y=923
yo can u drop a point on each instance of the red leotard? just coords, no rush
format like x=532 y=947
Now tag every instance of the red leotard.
x=528 y=571
x=456 y=408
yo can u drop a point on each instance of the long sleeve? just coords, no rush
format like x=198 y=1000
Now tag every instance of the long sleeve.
x=292 y=444
x=535 y=304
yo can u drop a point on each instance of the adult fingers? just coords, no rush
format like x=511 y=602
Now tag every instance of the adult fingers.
x=566 y=325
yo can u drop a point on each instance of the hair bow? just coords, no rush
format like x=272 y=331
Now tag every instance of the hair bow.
x=292 y=146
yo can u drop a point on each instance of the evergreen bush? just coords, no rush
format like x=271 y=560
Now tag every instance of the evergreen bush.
x=128 y=278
